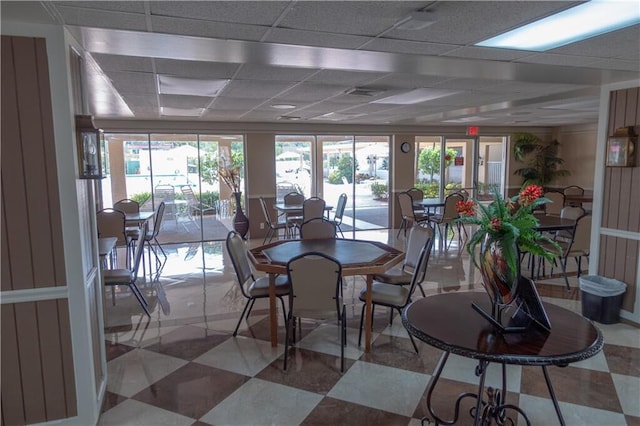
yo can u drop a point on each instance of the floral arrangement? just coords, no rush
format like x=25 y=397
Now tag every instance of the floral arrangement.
x=509 y=221
x=229 y=174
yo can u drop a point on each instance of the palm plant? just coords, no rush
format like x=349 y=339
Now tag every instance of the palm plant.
x=542 y=161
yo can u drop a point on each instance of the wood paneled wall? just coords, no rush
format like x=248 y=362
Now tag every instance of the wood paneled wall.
x=621 y=201
x=37 y=364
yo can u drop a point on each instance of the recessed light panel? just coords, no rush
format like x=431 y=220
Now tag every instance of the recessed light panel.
x=181 y=112
x=415 y=96
x=169 y=85
x=575 y=24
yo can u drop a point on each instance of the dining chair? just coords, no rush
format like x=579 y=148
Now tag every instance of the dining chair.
x=311 y=208
x=577 y=247
x=317 y=228
x=167 y=193
x=128 y=206
x=154 y=246
x=293 y=199
x=316 y=288
x=556 y=205
x=274 y=226
x=409 y=215
x=252 y=288
x=574 y=190
x=417 y=195
x=394 y=296
x=447 y=217
x=572 y=213
x=128 y=277
x=337 y=217
x=194 y=205
x=420 y=236
x=111 y=223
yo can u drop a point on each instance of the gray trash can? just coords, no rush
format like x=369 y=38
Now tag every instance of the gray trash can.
x=601 y=298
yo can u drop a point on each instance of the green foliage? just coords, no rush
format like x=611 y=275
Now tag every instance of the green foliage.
x=429 y=160
x=335 y=177
x=541 y=159
x=210 y=198
x=346 y=168
x=380 y=191
x=140 y=198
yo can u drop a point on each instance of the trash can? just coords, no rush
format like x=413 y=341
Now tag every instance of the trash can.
x=601 y=298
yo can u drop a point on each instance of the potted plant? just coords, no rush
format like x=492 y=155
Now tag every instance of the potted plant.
x=541 y=158
x=505 y=228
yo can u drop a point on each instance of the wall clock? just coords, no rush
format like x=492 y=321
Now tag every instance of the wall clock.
x=405 y=147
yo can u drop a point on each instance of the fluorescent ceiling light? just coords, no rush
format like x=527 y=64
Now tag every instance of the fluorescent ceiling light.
x=466 y=119
x=575 y=24
x=415 y=96
x=283 y=106
x=416 y=21
x=168 y=85
x=182 y=112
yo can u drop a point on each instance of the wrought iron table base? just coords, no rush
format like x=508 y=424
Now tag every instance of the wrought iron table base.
x=495 y=408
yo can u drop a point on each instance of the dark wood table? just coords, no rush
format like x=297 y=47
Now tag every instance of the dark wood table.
x=357 y=257
x=548 y=223
x=138 y=219
x=448 y=322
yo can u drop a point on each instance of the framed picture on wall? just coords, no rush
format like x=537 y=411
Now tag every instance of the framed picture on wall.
x=621 y=148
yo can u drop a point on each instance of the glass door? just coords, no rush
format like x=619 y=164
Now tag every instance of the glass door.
x=457 y=164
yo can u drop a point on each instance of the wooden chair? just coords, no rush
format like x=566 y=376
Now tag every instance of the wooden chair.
x=252 y=288
x=573 y=190
x=556 y=205
x=128 y=277
x=316 y=288
x=317 y=228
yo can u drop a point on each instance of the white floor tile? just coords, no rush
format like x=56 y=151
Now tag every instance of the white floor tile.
x=597 y=362
x=541 y=412
x=326 y=339
x=463 y=370
x=241 y=355
x=262 y=402
x=628 y=389
x=134 y=413
x=137 y=369
x=384 y=388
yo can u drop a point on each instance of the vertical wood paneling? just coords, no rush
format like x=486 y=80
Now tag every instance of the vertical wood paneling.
x=606 y=199
x=630 y=275
x=12 y=405
x=50 y=353
x=30 y=367
x=631 y=110
x=634 y=205
x=67 y=357
x=624 y=202
x=5 y=273
x=614 y=198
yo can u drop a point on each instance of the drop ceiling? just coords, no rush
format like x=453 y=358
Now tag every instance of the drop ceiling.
x=335 y=60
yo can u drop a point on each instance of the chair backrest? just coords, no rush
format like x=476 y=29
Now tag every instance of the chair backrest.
x=420 y=236
x=573 y=190
x=419 y=273
x=157 y=221
x=265 y=212
x=317 y=228
x=127 y=206
x=164 y=193
x=416 y=194
x=293 y=198
x=312 y=208
x=557 y=203
x=238 y=253
x=340 y=206
x=571 y=212
x=316 y=285
x=582 y=234
x=187 y=191
x=450 y=211
x=111 y=223
x=137 y=254
x=406 y=205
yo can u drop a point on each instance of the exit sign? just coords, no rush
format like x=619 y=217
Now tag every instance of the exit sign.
x=472 y=130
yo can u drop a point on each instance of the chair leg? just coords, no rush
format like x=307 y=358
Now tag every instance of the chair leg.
x=141 y=300
x=361 y=321
x=235 y=332
x=253 y=301
x=284 y=311
x=343 y=340
x=563 y=264
x=340 y=229
x=287 y=326
x=422 y=290
x=403 y=225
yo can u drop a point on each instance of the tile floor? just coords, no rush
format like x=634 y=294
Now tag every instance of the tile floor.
x=183 y=367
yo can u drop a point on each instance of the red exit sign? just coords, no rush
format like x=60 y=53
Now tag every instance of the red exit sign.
x=473 y=130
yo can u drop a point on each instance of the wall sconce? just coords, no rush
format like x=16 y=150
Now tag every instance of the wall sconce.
x=621 y=148
x=88 y=144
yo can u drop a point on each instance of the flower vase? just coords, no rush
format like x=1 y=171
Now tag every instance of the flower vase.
x=240 y=220
x=500 y=269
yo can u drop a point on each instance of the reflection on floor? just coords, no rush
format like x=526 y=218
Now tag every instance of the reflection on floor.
x=183 y=366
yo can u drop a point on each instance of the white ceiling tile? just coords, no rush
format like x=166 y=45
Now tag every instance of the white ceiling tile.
x=195 y=69
x=133 y=82
x=487 y=53
x=244 y=12
x=310 y=38
x=102 y=18
x=199 y=28
x=311 y=92
x=404 y=46
x=254 y=89
x=115 y=6
x=123 y=63
x=263 y=72
x=181 y=101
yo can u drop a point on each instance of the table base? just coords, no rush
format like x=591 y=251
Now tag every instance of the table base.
x=494 y=409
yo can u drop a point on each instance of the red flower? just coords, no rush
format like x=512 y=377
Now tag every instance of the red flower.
x=466 y=208
x=447 y=158
x=496 y=224
x=530 y=194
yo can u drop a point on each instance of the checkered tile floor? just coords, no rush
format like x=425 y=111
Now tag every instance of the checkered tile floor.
x=184 y=367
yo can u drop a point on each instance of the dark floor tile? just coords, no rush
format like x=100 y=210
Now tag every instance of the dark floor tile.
x=308 y=370
x=114 y=350
x=188 y=342
x=557 y=291
x=632 y=420
x=261 y=329
x=332 y=411
x=111 y=400
x=398 y=352
x=200 y=423
x=575 y=385
x=622 y=359
x=192 y=390
x=443 y=402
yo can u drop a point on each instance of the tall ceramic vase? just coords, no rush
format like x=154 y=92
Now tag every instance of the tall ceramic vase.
x=498 y=278
x=240 y=220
